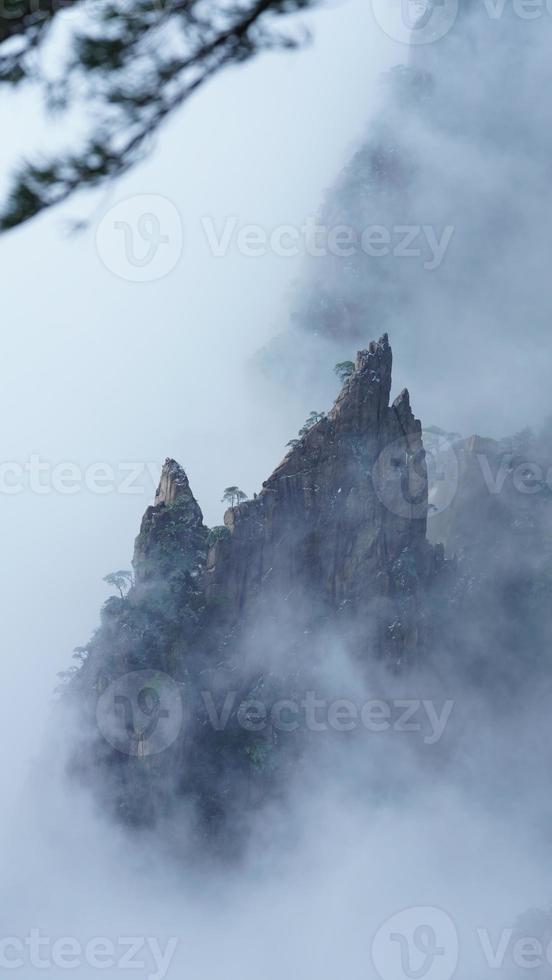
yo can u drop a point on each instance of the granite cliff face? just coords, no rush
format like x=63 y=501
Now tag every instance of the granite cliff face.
x=331 y=551
x=331 y=530
x=329 y=562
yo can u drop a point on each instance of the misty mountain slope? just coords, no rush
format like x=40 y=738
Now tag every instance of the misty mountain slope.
x=324 y=582
x=327 y=554
x=436 y=230
x=497 y=535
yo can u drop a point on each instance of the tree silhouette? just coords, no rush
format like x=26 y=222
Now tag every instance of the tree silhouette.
x=313 y=419
x=233 y=496
x=135 y=62
x=122 y=580
x=344 y=370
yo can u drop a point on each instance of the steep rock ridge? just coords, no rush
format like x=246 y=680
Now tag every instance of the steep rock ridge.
x=152 y=632
x=323 y=531
x=153 y=626
x=332 y=553
x=328 y=564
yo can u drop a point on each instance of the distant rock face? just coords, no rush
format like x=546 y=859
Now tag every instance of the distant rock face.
x=413 y=170
x=497 y=534
x=341 y=523
x=502 y=503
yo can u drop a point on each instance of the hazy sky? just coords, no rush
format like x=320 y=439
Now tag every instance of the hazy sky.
x=100 y=370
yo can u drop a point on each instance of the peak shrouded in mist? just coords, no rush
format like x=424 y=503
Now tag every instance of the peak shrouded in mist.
x=330 y=544
x=314 y=701
x=205 y=678
x=314 y=739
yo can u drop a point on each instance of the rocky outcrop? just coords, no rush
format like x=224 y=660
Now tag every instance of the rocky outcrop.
x=341 y=523
x=173 y=536
x=173 y=487
x=336 y=538
x=329 y=562
x=332 y=553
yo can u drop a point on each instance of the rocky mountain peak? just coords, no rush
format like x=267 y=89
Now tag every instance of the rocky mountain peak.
x=173 y=484
x=172 y=531
x=341 y=517
x=332 y=549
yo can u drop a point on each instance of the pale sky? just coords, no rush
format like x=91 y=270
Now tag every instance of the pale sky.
x=97 y=369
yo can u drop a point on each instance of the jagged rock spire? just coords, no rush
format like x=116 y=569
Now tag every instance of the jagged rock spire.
x=322 y=553
x=334 y=524
x=172 y=529
x=173 y=483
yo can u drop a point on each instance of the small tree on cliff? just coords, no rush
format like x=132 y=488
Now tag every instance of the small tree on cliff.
x=313 y=419
x=121 y=580
x=217 y=534
x=233 y=496
x=344 y=370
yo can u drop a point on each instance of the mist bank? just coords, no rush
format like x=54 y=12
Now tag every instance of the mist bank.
x=458 y=154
